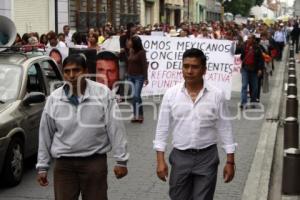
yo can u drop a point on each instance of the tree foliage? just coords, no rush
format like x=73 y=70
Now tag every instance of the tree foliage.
x=241 y=7
x=259 y=2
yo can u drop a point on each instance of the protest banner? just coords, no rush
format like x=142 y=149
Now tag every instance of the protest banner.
x=236 y=83
x=164 y=55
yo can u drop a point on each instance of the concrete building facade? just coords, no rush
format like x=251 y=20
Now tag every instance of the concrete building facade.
x=173 y=11
x=48 y=15
x=150 y=10
x=84 y=14
x=297 y=8
x=213 y=10
x=196 y=11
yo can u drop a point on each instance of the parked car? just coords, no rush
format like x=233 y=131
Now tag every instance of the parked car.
x=25 y=82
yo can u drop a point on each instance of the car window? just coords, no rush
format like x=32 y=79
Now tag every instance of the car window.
x=35 y=81
x=10 y=81
x=52 y=74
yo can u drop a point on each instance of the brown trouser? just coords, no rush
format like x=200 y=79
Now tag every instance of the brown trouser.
x=87 y=176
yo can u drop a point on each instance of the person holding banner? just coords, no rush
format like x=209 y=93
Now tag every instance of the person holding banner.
x=195 y=113
x=137 y=75
x=252 y=69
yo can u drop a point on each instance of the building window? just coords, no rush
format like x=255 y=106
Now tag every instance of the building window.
x=89 y=14
x=122 y=6
x=134 y=7
x=128 y=6
x=102 y=6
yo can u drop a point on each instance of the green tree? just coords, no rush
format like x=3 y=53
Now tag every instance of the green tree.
x=259 y=2
x=241 y=7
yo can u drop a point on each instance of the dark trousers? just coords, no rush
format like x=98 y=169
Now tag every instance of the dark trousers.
x=259 y=85
x=137 y=83
x=280 y=47
x=296 y=43
x=193 y=175
x=249 y=78
x=87 y=176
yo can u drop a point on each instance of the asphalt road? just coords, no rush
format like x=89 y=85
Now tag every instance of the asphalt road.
x=141 y=182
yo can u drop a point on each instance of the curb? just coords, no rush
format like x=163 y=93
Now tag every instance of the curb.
x=258 y=181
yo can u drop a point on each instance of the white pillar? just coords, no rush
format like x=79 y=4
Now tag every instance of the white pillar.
x=172 y=18
x=156 y=10
x=52 y=15
x=6 y=8
x=143 y=13
x=62 y=14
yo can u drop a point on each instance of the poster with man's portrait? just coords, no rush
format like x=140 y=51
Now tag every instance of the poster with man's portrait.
x=107 y=68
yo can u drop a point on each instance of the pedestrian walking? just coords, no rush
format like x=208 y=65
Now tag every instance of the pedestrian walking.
x=252 y=69
x=137 y=76
x=80 y=123
x=295 y=36
x=195 y=113
x=280 y=39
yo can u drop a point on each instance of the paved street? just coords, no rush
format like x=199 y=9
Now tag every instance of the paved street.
x=142 y=183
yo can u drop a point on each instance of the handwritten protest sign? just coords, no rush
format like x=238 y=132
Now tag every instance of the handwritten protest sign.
x=165 y=61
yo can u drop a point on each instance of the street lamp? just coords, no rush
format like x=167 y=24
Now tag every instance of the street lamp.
x=222 y=8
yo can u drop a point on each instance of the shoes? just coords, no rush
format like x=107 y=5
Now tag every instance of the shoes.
x=138 y=120
x=134 y=120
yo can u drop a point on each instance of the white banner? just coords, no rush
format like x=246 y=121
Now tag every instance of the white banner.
x=164 y=55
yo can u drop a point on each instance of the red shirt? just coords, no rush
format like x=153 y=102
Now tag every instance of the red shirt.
x=249 y=55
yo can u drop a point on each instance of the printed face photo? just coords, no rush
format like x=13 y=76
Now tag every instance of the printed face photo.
x=108 y=69
x=56 y=56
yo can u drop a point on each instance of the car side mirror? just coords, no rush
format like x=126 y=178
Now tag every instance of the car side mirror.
x=34 y=97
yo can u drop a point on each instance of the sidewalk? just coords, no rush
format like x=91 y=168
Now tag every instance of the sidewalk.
x=276 y=181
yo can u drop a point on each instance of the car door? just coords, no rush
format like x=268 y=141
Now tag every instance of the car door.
x=52 y=75
x=33 y=112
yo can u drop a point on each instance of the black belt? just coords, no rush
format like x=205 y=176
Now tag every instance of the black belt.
x=84 y=158
x=198 y=150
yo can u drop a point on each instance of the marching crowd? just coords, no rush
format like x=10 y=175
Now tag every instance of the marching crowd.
x=266 y=40
x=186 y=109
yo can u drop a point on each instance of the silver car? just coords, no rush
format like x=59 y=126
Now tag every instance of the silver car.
x=25 y=82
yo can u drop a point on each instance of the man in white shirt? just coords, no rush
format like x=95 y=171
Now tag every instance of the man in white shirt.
x=280 y=39
x=195 y=113
x=68 y=36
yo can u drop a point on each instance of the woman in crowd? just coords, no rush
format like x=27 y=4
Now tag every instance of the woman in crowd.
x=18 y=40
x=137 y=75
x=25 y=39
x=44 y=39
x=93 y=41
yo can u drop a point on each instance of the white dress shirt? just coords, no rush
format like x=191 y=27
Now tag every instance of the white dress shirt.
x=194 y=125
x=280 y=36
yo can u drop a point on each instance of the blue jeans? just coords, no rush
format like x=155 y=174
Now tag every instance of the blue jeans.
x=137 y=82
x=249 y=78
